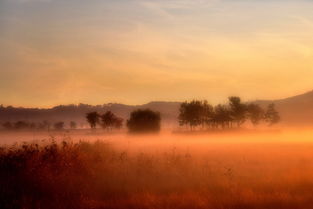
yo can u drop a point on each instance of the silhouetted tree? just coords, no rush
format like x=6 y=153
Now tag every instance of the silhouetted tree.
x=255 y=113
x=208 y=114
x=58 y=126
x=237 y=110
x=191 y=113
x=109 y=120
x=222 y=116
x=198 y=112
x=144 y=121
x=271 y=115
x=73 y=125
x=93 y=119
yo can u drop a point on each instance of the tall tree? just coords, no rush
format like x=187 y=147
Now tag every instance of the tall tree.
x=208 y=113
x=271 y=115
x=109 y=121
x=93 y=119
x=191 y=113
x=255 y=113
x=238 y=110
x=222 y=116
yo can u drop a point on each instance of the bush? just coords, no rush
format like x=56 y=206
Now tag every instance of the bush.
x=144 y=121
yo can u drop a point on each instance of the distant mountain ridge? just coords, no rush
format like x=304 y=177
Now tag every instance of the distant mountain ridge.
x=66 y=113
x=294 y=110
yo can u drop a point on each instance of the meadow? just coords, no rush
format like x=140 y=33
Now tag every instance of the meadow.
x=213 y=171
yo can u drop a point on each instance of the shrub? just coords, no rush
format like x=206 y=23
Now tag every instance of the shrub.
x=144 y=121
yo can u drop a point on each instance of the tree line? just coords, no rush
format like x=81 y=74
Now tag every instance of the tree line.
x=141 y=120
x=193 y=114
x=107 y=121
x=44 y=125
x=199 y=113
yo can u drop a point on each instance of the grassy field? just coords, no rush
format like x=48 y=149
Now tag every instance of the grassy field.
x=219 y=172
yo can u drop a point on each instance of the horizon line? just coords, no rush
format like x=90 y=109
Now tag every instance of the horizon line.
x=118 y=103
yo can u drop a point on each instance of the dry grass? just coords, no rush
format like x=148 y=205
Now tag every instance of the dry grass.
x=101 y=175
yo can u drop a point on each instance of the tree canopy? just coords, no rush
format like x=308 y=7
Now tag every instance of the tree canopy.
x=235 y=113
x=110 y=121
x=93 y=119
x=146 y=120
x=271 y=115
x=107 y=121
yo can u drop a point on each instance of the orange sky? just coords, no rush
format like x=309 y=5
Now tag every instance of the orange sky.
x=136 y=51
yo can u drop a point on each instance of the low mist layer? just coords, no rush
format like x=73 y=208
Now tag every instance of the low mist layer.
x=231 y=170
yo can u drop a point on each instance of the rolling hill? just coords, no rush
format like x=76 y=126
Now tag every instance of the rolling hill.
x=67 y=113
x=297 y=110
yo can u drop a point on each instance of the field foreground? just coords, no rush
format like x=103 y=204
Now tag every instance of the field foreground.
x=153 y=172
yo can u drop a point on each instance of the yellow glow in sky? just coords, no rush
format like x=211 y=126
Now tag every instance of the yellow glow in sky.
x=60 y=52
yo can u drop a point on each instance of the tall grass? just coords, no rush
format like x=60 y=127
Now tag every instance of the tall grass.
x=97 y=175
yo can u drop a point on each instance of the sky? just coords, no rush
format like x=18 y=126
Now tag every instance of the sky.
x=136 y=51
